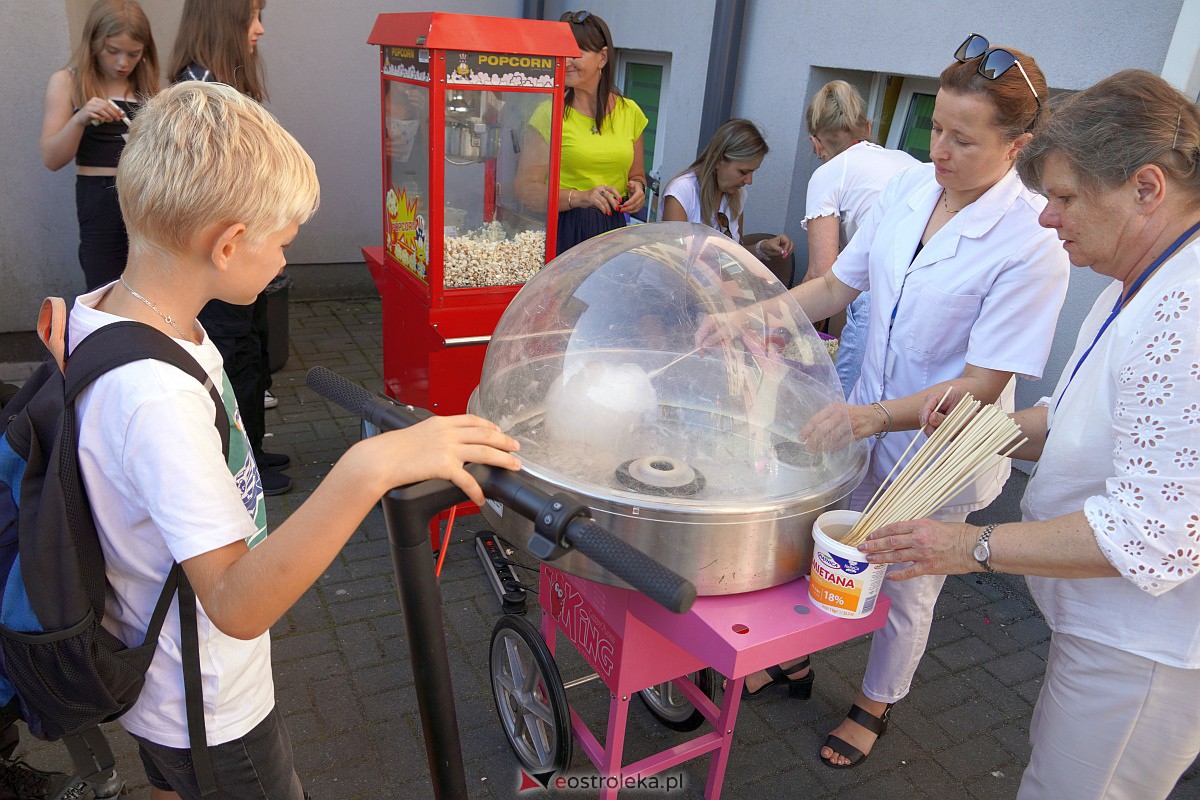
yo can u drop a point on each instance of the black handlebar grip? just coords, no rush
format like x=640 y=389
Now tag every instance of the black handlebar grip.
x=615 y=555
x=631 y=565
x=336 y=389
x=384 y=413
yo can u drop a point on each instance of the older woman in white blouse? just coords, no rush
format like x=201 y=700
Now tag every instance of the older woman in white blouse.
x=1110 y=535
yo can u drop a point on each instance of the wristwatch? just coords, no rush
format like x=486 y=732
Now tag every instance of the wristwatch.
x=983 y=551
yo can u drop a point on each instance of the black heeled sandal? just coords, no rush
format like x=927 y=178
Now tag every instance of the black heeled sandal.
x=798 y=688
x=876 y=725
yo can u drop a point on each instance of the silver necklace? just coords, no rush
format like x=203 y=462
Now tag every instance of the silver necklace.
x=166 y=317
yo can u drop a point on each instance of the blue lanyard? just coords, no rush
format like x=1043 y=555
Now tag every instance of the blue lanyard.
x=1123 y=299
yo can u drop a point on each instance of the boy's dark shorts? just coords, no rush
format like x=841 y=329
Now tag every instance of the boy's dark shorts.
x=258 y=765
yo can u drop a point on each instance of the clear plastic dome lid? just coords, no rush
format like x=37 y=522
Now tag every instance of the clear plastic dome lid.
x=595 y=368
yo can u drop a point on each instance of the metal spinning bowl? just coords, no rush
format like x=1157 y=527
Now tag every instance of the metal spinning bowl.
x=692 y=456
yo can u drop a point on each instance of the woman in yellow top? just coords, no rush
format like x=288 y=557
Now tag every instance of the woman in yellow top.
x=602 y=176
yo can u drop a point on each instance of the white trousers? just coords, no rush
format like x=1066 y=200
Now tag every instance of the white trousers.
x=1110 y=724
x=897 y=647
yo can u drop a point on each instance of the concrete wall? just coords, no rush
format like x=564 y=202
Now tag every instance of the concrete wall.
x=682 y=28
x=792 y=49
x=37 y=208
x=322 y=79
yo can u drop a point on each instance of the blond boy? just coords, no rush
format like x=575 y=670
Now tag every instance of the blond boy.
x=213 y=190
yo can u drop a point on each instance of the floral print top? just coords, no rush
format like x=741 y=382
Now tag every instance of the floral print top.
x=1124 y=446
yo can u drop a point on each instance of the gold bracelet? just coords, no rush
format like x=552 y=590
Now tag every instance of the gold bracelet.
x=887 y=415
x=570 y=197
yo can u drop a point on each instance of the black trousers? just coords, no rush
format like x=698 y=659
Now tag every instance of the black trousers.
x=240 y=334
x=103 y=242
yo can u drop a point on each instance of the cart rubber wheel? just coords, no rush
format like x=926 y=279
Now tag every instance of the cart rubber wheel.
x=529 y=696
x=672 y=708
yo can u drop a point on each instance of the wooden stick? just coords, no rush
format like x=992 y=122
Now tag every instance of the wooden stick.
x=913 y=469
x=903 y=455
x=974 y=476
x=671 y=363
x=957 y=455
x=972 y=452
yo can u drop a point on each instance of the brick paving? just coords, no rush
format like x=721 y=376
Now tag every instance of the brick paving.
x=344 y=683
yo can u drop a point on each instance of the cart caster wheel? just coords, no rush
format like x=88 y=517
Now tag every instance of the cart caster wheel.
x=529 y=696
x=672 y=708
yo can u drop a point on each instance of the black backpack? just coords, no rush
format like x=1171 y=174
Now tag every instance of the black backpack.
x=60 y=670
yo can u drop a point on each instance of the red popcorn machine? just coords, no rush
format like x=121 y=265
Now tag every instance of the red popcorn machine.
x=466 y=193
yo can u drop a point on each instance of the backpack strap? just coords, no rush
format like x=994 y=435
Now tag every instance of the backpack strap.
x=105 y=349
x=52 y=329
x=94 y=762
x=125 y=342
x=193 y=690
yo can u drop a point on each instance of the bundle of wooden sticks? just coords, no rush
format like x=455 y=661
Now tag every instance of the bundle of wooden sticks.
x=954 y=457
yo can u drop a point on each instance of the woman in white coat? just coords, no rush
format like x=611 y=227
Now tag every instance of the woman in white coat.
x=966 y=289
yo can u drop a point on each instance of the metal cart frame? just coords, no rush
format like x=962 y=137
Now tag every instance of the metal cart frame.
x=614 y=630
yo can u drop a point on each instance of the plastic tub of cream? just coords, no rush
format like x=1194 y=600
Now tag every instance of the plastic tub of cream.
x=842 y=581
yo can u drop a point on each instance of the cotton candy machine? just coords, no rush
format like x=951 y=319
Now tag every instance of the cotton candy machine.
x=691 y=454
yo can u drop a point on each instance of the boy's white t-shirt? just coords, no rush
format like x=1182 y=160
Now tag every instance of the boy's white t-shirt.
x=160 y=492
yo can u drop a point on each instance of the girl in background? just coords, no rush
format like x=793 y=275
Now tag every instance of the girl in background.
x=88 y=107
x=841 y=192
x=218 y=42
x=712 y=191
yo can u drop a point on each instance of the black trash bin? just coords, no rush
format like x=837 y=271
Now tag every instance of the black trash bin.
x=278 y=343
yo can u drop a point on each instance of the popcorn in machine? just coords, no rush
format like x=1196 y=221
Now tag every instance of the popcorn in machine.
x=456 y=92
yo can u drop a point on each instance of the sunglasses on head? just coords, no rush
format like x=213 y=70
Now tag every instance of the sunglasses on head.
x=993 y=61
x=579 y=17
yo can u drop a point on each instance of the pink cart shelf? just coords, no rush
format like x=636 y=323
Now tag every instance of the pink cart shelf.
x=634 y=644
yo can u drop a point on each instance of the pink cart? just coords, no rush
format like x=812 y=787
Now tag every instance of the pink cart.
x=635 y=645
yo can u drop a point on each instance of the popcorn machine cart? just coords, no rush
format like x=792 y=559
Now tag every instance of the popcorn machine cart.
x=456 y=92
